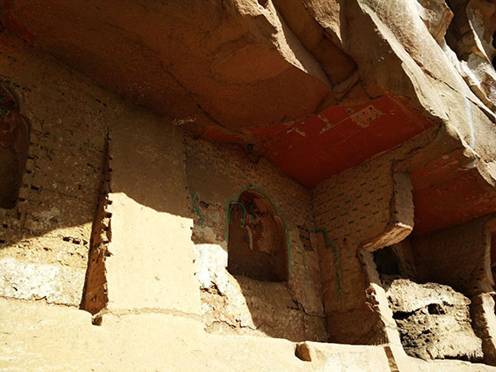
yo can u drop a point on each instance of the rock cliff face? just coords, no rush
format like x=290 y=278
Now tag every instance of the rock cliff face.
x=265 y=73
x=245 y=63
x=229 y=172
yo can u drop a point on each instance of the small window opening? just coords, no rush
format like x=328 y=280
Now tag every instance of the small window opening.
x=14 y=142
x=257 y=243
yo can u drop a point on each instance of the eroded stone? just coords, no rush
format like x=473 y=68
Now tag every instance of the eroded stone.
x=433 y=320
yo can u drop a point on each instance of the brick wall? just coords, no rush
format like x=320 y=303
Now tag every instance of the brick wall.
x=355 y=204
x=352 y=208
x=217 y=175
x=458 y=256
x=45 y=240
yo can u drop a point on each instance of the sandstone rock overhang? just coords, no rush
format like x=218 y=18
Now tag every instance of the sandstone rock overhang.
x=314 y=86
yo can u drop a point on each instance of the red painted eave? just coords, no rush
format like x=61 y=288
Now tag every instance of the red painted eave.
x=340 y=137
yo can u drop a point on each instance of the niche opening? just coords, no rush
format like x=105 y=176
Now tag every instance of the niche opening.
x=387 y=262
x=257 y=242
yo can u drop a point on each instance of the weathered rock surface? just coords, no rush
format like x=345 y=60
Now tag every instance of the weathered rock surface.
x=433 y=321
x=244 y=63
x=230 y=63
x=33 y=281
x=229 y=69
x=351 y=79
x=472 y=37
x=241 y=305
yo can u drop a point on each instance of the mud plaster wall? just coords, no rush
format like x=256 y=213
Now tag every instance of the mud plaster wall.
x=352 y=208
x=150 y=267
x=46 y=251
x=217 y=176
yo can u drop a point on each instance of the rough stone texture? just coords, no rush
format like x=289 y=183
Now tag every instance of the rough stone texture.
x=467 y=269
x=213 y=84
x=95 y=294
x=244 y=61
x=484 y=323
x=247 y=64
x=35 y=281
x=246 y=71
x=413 y=64
x=471 y=36
x=14 y=147
x=400 y=223
x=211 y=264
x=70 y=118
x=377 y=301
x=433 y=321
x=240 y=305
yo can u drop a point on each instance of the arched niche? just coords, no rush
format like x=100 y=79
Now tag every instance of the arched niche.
x=14 y=143
x=257 y=245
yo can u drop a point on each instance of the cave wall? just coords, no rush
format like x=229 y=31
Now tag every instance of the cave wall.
x=134 y=215
x=164 y=185
x=351 y=207
x=458 y=256
x=217 y=175
x=44 y=240
x=362 y=209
